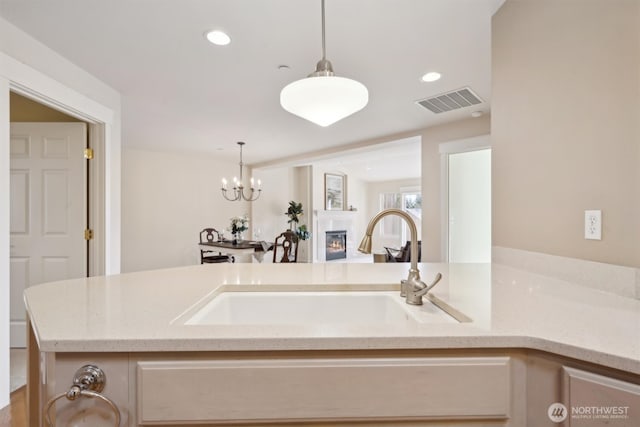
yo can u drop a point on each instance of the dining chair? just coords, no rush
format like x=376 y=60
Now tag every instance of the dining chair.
x=212 y=235
x=403 y=254
x=285 y=247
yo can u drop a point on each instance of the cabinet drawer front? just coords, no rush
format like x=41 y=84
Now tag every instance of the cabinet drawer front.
x=322 y=389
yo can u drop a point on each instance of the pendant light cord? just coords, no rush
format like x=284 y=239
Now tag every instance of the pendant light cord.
x=323 y=67
x=324 y=52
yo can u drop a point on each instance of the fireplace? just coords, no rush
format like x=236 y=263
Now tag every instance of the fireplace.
x=336 y=245
x=325 y=221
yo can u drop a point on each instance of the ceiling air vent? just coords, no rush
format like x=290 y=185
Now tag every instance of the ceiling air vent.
x=451 y=101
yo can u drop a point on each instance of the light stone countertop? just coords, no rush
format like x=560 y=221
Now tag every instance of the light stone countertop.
x=145 y=312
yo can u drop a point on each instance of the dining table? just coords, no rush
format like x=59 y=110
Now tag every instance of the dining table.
x=242 y=250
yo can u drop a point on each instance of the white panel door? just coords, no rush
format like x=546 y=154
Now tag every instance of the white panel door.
x=48 y=210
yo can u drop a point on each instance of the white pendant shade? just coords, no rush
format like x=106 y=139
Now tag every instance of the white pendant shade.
x=324 y=100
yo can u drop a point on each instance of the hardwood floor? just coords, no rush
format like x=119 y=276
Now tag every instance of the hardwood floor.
x=15 y=415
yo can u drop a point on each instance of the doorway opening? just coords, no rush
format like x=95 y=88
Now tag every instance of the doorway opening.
x=466 y=215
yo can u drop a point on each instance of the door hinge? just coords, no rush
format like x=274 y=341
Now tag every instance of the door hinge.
x=88 y=153
x=88 y=234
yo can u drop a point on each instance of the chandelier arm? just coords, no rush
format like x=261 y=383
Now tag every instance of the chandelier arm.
x=224 y=194
x=251 y=198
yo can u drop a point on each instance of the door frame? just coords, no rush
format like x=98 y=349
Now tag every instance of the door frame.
x=446 y=149
x=95 y=173
x=105 y=123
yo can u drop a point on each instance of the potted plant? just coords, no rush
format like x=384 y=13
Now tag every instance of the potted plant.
x=294 y=212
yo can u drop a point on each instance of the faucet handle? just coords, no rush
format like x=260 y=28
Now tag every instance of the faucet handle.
x=428 y=288
x=414 y=296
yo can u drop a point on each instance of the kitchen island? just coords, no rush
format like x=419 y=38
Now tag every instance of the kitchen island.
x=532 y=341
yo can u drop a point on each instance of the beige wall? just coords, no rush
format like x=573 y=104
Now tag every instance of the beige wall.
x=566 y=127
x=167 y=198
x=268 y=212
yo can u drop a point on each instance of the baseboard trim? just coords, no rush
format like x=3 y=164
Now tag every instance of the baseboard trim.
x=18 y=334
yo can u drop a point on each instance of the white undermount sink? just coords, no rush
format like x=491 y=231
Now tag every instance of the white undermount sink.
x=313 y=308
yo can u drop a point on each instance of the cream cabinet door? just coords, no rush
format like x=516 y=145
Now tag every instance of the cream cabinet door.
x=593 y=400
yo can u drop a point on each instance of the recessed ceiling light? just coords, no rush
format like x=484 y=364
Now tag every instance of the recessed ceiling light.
x=218 y=38
x=431 y=76
x=477 y=114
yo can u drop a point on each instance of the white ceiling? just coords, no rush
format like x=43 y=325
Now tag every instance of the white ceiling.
x=180 y=92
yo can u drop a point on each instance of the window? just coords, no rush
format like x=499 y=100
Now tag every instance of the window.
x=390 y=225
x=393 y=227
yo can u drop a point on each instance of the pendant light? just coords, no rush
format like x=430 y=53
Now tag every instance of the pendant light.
x=322 y=97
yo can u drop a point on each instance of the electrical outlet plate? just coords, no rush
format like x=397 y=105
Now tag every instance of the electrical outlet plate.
x=593 y=225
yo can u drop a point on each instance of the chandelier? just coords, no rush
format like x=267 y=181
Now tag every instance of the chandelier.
x=322 y=97
x=238 y=186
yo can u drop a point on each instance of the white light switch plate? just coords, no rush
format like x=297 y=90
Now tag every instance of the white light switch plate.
x=593 y=225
